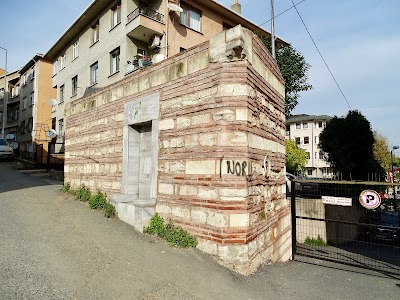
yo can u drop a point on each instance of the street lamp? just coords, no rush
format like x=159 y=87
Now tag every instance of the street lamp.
x=391 y=157
x=5 y=95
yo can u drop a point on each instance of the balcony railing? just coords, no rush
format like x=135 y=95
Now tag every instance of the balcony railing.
x=145 y=11
x=137 y=64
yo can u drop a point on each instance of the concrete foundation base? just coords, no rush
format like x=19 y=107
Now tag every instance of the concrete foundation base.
x=135 y=212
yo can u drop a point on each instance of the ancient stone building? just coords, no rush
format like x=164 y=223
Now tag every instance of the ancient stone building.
x=198 y=138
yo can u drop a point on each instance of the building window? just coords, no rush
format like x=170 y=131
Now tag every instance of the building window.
x=297 y=141
x=61 y=127
x=114 y=61
x=316 y=139
x=22 y=127
x=93 y=73
x=31 y=99
x=75 y=50
x=24 y=79
x=55 y=67
x=63 y=61
x=190 y=18
x=74 y=85
x=33 y=73
x=321 y=155
x=305 y=125
x=320 y=124
x=95 y=32
x=24 y=103
x=53 y=123
x=309 y=172
x=306 y=140
x=17 y=90
x=62 y=93
x=116 y=15
x=298 y=126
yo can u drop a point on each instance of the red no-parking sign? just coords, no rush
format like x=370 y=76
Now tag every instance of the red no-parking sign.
x=370 y=199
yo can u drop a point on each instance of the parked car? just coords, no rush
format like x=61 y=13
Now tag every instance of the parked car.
x=385 y=226
x=6 y=152
x=310 y=188
x=289 y=177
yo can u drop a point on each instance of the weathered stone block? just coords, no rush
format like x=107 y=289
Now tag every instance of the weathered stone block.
x=199 y=216
x=187 y=190
x=206 y=193
x=217 y=219
x=182 y=123
x=203 y=167
x=166 y=124
x=238 y=253
x=181 y=212
x=239 y=220
x=166 y=188
x=177 y=168
x=224 y=115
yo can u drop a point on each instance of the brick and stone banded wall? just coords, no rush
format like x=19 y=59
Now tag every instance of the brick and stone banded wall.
x=94 y=127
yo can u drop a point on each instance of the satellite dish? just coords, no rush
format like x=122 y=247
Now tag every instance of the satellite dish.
x=53 y=102
x=174 y=7
x=51 y=133
x=10 y=136
x=158 y=57
x=14 y=145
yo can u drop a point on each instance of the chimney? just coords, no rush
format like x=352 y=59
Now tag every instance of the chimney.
x=236 y=7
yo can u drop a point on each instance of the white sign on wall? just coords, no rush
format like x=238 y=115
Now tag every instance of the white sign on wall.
x=336 y=200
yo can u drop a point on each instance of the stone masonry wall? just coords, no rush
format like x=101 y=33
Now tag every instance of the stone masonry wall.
x=221 y=159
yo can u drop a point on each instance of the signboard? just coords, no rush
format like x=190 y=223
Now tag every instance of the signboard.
x=370 y=199
x=336 y=200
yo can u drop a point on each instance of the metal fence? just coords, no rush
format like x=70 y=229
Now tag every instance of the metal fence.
x=48 y=155
x=330 y=223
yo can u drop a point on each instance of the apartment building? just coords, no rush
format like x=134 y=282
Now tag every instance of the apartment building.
x=9 y=104
x=34 y=120
x=112 y=39
x=305 y=130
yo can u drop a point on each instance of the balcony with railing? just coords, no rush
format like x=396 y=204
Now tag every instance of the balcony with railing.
x=138 y=63
x=143 y=23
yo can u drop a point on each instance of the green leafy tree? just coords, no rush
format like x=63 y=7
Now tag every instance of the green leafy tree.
x=381 y=151
x=296 y=158
x=348 y=142
x=294 y=69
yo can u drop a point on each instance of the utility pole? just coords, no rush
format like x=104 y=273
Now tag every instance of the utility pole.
x=4 y=97
x=272 y=29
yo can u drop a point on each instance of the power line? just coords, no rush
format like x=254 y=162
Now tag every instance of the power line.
x=321 y=55
x=294 y=5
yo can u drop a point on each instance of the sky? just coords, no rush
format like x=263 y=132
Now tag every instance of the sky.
x=359 y=40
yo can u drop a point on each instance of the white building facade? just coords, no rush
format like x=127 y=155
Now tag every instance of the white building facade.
x=305 y=131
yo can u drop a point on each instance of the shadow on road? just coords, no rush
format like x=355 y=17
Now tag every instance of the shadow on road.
x=12 y=179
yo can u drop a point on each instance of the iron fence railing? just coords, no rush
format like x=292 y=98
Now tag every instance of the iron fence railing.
x=331 y=223
x=145 y=11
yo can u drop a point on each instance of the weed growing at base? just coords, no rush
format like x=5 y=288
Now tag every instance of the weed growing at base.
x=173 y=235
x=315 y=242
x=96 y=201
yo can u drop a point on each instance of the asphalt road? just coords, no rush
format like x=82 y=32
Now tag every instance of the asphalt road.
x=54 y=247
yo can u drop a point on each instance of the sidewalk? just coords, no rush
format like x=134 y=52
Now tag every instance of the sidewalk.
x=54 y=247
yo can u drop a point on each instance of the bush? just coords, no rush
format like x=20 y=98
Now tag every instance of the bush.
x=156 y=226
x=66 y=188
x=83 y=194
x=314 y=242
x=98 y=200
x=173 y=235
x=109 y=210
